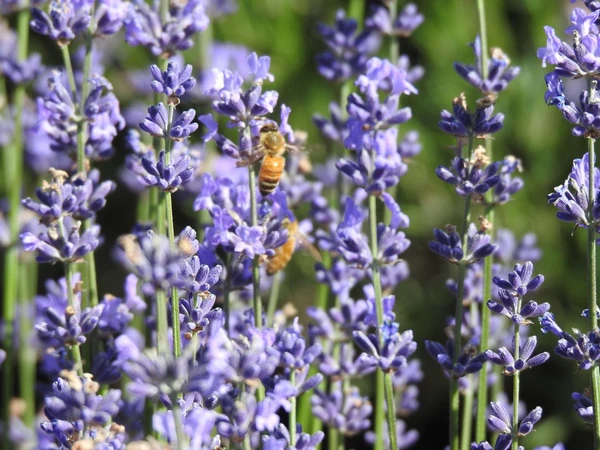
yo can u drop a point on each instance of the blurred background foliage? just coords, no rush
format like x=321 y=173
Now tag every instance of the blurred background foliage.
x=533 y=132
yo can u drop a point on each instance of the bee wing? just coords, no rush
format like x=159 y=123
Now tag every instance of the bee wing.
x=305 y=245
x=255 y=154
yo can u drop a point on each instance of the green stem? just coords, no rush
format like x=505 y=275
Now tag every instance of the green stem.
x=516 y=386
x=482 y=393
x=273 y=298
x=292 y=424
x=13 y=178
x=75 y=351
x=162 y=327
x=256 y=302
x=384 y=381
x=356 y=9
x=181 y=440
x=454 y=394
x=467 y=417
x=483 y=37
x=171 y=234
x=482 y=389
x=27 y=355
x=592 y=292
x=205 y=39
x=69 y=69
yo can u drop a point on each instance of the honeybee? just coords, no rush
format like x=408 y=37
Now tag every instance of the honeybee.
x=283 y=254
x=271 y=148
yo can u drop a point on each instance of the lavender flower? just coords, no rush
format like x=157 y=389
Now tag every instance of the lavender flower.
x=464 y=123
x=65 y=20
x=347 y=411
x=504 y=357
x=62 y=242
x=404 y=25
x=59 y=328
x=500 y=421
x=154 y=376
x=467 y=362
x=75 y=410
x=58 y=119
x=584 y=406
x=579 y=59
x=572 y=198
x=348 y=50
x=448 y=245
x=499 y=71
x=164 y=36
x=508 y=307
x=172 y=82
x=507 y=186
x=168 y=177
x=151 y=258
x=585 y=115
x=78 y=197
x=471 y=181
x=156 y=123
x=396 y=348
x=583 y=348
x=16 y=70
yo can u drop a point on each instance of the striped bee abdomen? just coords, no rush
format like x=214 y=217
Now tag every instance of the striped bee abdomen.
x=270 y=172
x=282 y=256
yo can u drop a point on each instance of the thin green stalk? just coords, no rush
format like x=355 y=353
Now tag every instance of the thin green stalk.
x=516 y=386
x=592 y=291
x=256 y=302
x=273 y=298
x=467 y=417
x=171 y=234
x=181 y=440
x=69 y=69
x=13 y=178
x=162 y=327
x=75 y=351
x=205 y=40
x=356 y=9
x=482 y=392
x=394 y=55
x=292 y=424
x=27 y=356
x=379 y=410
x=454 y=394
x=483 y=37
x=384 y=385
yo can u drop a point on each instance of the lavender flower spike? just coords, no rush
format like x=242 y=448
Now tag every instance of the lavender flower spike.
x=504 y=358
x=448 y=245
x=172 y=82
x=463 y=123
x=168 y=177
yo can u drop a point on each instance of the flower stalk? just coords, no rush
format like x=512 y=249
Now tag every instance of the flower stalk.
x=482 y=389
x=171 y=236
x=516 y=384
x=384 y=387
x=256 y=302
x=13 y=178
x=592 y=288
x=458 y=316
x=75 y=350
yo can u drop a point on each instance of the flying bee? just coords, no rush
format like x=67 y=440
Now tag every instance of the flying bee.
x=283 y=254
x=271 y=148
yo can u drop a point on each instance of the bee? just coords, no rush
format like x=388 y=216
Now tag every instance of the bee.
x=283 y=254
x=271 y=148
